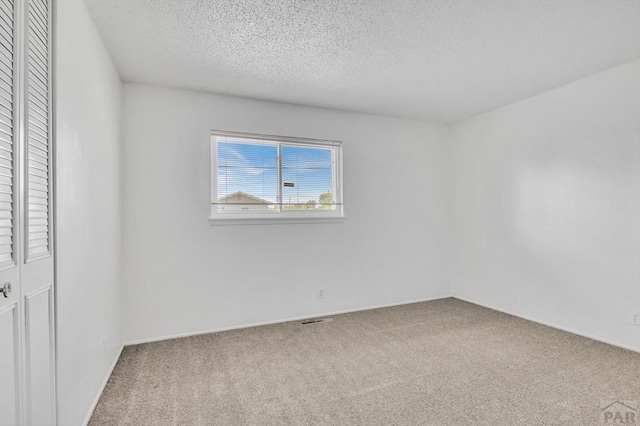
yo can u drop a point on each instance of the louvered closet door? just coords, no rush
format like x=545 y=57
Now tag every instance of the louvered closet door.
x=27 y=380
x=37 y=268
x=11 y=367
x=37 y=225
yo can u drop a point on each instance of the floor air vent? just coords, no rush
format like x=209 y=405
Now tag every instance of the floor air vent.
x=316 y=321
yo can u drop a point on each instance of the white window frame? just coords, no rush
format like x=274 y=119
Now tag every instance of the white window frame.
x=219 y=216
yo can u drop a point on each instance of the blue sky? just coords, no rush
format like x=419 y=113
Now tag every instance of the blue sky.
x=253 y=169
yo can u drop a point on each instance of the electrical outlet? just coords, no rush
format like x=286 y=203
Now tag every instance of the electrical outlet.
x=321 y=293
x=105 y=344
x=635 y=317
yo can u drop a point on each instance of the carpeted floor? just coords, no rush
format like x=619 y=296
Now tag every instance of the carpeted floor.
x=445 y=362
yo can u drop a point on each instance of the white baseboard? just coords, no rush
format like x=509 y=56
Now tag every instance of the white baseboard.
x=104 y=384
x=548 y=324
x=278 y=321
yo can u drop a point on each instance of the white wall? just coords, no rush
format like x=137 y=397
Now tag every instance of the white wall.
x=548 y=206
x=182 y=275
x=88 y=211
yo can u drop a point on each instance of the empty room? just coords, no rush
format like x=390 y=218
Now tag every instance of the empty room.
x=319 y=212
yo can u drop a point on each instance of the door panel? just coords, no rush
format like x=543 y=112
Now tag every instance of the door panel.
x=9 y=365
x=11 y=353
x=39 y=356
x=37 y=154
x=8 y=140
x=36 y=269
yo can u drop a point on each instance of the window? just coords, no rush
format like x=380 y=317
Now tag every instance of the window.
x=258 y=177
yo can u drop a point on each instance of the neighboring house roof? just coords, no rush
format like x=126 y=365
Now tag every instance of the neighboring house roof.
x=244 y=198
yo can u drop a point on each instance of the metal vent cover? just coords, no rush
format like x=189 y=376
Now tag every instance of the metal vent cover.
x=316 y=321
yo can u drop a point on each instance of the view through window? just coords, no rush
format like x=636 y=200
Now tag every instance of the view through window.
x=270 y=176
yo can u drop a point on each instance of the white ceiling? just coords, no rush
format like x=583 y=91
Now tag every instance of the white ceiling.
x=437 y=60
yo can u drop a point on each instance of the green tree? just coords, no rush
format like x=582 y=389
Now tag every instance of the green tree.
x=326 y=199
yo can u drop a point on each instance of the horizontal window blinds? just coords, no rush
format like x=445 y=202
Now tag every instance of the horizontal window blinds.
x=247 y=173
x=38 y=131
x=277 y=175
x=307 y=177
x=7 y=133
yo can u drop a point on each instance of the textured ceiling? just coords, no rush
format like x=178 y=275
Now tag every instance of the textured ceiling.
x=437 y=60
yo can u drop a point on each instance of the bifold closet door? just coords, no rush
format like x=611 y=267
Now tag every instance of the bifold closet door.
x=37 y=267
x=11 y=354
x=27 y=332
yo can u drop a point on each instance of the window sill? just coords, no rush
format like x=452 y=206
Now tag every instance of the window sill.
x=217 y=221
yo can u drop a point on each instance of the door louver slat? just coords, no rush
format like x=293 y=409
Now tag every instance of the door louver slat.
x=7 y=133
x=38 y=184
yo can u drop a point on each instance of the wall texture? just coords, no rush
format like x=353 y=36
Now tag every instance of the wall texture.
x=88 y=211
x=547 y=202
x=182 y=275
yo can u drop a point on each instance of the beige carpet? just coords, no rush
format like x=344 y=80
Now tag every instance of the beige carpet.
x=445 y=362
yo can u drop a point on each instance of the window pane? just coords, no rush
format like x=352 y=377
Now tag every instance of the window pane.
x=307 y=178
x=247 y=175
x=256 y=177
